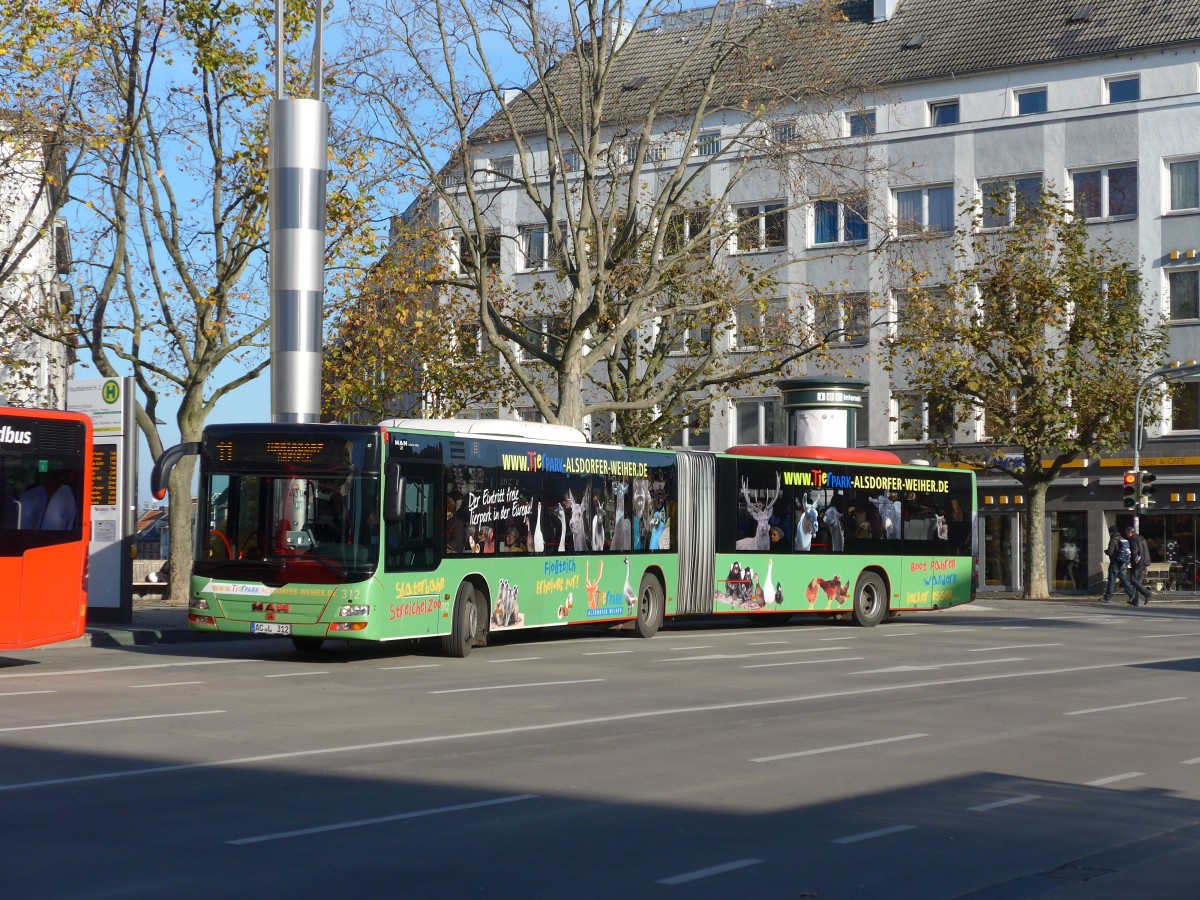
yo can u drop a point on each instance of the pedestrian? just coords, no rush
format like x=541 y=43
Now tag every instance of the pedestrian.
x=1117 y=552
x=1139 y=562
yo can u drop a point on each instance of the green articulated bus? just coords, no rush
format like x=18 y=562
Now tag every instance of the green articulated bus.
x=458 y=529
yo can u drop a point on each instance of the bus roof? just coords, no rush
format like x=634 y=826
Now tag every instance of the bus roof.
x=509 y=428
x=826 y=454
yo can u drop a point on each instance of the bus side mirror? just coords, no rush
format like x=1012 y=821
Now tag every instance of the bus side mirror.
x=166 y=461
x=393 y=494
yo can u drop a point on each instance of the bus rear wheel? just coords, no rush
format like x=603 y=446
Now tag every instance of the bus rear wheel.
x=457 y=643
x=650 y=607
x=870 y=600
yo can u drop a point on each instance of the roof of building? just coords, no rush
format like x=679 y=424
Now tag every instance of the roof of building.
x=923 y=40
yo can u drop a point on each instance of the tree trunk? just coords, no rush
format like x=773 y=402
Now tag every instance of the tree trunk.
x=180 y=513
x=1037 y=585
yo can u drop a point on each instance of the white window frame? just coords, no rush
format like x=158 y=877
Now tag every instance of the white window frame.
x=916 y=400
x=1017 y=94
x=1188 y=387
x=1169 y=193
x=708 y=143
x=1190 y=320
x=759 y=213
x=841 y=236
x=841 y=305
x=1010 y=181
x=922 y=226
x=776 y=308
x=1111 y=80
x=944 y=103
x=763 y=408
x=529 y=262
x=869 y=119
x=1105 y=207
x=501 y=167
x=688 y=436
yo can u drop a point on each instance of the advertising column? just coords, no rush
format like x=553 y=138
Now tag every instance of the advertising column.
x=109 y=403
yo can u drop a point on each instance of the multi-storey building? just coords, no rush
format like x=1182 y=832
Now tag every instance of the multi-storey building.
x=1100 y=100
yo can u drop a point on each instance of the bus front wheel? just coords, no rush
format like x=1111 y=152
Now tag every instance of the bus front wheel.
x=870 y=600
x=650 y=607
x=457 y=643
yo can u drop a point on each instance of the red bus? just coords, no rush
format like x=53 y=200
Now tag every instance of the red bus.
x=46 y=477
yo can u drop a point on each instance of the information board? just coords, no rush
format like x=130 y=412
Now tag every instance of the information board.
x=104 y=475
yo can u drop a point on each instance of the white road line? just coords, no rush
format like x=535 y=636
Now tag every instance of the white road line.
x=606 y=652
x=1010 y=647
x=25 y=693
x=1172 y=634
x=711 y=656
x=765 y=643
x=205 y=712
x=515 y=659
x=899 y=633
x=399 y=817
x=803 y=662
x=294 y=674
x=891 y=740
x=1111 y=779
x=166 y=684
x=1012 y=627
x=402 y=668
x=844 y=637
x=924 y=685
x=170 y=665
x=1084 y=712
x=1011 y=801
x=973 y=662
x=709 y=872
x=505 y=687
x=697 y=647
x=1191 y=762
x=868 y=835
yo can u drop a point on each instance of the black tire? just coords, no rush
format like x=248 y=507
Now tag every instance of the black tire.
x=870 y=600
x=650 y=608
x=308 y=644
x=457 y=644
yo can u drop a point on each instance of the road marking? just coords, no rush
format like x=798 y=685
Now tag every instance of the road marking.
x=868 y=835
x=803 y=662
x=1011 y=801
x=712 y=656
x=505 y=687
x=24 y=693
x=166 y=684
x=402 y=668
x=923 y=685
x=1010 y=647
x=972 y=662
x=899 y=633
x=1191 y=762
x=709 y=872
x=1012 y=627
x=766 y=643
x=891 y=740
x=293 y=674
x=606 y=652
x=697 y=647
x=205 y=712
x=1099 y=782
x=1172 y=634
x=1084 y=712
x=170 y=665
x=515 y=659
x=399 y=817
x=844 y=637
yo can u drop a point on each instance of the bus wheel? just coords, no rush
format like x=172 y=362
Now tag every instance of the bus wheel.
x=870 y=600
x=308 y=644
x=650 y=608
x=458 y=642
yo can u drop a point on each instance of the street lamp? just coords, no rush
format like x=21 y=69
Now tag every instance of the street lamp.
x=1176 y=371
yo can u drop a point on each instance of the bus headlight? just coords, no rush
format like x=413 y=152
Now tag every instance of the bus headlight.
x=357 y=610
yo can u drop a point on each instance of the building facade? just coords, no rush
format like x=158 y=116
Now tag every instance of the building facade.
x=1098 y=101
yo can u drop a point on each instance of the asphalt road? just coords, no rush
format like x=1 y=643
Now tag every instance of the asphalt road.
x=1003 y=750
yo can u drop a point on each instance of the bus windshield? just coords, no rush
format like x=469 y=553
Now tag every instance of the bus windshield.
x=282 y=506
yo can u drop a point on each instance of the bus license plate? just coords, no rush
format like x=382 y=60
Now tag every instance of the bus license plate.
x=270 y=628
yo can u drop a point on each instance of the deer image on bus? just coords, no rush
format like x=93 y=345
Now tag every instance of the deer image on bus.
x=458 y=529
x=46 y=478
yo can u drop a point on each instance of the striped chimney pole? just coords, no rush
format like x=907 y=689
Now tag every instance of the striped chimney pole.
x=296 y=160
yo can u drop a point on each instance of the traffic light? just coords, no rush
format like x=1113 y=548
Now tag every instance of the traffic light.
x=1132 y=483
x=1145 y=488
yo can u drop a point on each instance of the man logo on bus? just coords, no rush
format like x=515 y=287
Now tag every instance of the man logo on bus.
x=12 y=436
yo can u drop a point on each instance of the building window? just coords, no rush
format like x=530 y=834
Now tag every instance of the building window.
x=490 y=251
x=502 y=167
x=861 y=124
x=547 y=333
x=1185 y=406
x=1125 y=89
x=943 y=112
x=694 y=433
x=1009 y=200
x=760 y=422
x=937 y=297
x=925 y=210
x=761 y=227
x=842 y=318
x=841 y=221
x=530 y=414
x=571 y=161
x=535 y=246
x=708 y=144
x=755 y=321
x=1031 y=101
x=1185 y=184
x=917 y=419
x=1105 y=193
x=1184 y=289
x=783 y=134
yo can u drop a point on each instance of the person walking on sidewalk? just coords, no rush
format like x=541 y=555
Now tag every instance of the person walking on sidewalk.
x=1118 y=555
x=1139 y=562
